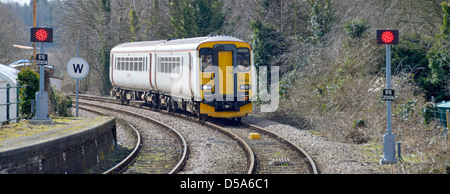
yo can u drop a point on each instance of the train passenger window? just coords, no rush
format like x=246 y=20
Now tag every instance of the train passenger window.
x=206 y=57
x=121 y=64
x=116 y=66
x=243 y=56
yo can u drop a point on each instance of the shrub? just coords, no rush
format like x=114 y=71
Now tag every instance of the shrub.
x=31 y=79
x=356 y=29
x=321 y=17
x=428 y=113
x=60 y=104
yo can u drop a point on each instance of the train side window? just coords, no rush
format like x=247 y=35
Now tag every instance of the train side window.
x=140 y=63
x=127 y=64
x=243 y=56
x=136 y=64
x=206 y=57
x=116 y=67
x=163 y=65
x=119 y=64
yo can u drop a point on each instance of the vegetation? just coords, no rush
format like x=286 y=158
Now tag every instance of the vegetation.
x=31 y=79
x=60 y=104
x=195 y=18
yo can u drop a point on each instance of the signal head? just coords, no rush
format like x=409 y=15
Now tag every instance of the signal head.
x=387 y=37
x=41 y=34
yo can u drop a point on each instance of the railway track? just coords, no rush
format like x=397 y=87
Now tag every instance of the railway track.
x=166 y=155
x=275 y=154
x=122 y=166
x=270 y=154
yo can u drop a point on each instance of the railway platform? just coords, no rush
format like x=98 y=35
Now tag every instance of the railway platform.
x=69 y=146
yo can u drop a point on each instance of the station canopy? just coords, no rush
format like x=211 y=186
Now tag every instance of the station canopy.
x=8 y=75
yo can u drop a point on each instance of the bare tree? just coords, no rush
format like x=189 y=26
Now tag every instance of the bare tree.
x=11 y=32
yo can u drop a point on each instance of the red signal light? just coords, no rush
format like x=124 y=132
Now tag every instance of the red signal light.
x=41 y=35
x=387 y=36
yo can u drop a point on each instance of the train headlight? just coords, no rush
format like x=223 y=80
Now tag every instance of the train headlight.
x=207 y=87
x=245 y=87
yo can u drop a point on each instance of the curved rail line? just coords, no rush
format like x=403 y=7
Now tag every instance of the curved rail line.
x=178 y=135
x=252 y=164
x=125 y=163
x=311 y=163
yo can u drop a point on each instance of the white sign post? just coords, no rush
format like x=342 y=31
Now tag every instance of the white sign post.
x=77 y=68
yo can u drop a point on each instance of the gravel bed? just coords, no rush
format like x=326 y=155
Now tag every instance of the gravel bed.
x=330 y=157
x=210 y=152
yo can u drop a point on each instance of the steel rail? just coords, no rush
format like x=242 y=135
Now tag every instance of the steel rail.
x=311 y=163
x=251 y=159
x=178 y=135
x=123 y=165
x=252 y=165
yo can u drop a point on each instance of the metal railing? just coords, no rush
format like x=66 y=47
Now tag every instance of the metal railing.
x=441 y=116
x=9 y=103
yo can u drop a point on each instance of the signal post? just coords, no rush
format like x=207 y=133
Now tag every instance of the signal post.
x=41 y=35
x=388 y=37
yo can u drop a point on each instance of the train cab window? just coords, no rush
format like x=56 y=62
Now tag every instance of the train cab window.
x=243 y=57
x=206 y=57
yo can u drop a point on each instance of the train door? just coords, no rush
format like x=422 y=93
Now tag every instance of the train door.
x=225 y=60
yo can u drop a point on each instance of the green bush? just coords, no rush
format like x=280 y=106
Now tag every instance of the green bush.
x=320 y=18
x=428 y=113
x=31 y=79
x=439 y=59
x=356 y=29
x=60 y=104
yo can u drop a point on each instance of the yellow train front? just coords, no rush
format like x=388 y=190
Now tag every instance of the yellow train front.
x=226 y=79
x=209 y=76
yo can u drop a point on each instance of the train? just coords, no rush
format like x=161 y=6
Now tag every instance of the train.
x=211 y=76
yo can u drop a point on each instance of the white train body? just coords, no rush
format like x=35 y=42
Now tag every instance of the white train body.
x=169 y=68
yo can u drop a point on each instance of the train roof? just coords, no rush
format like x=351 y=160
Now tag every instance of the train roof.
x=171 y=45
